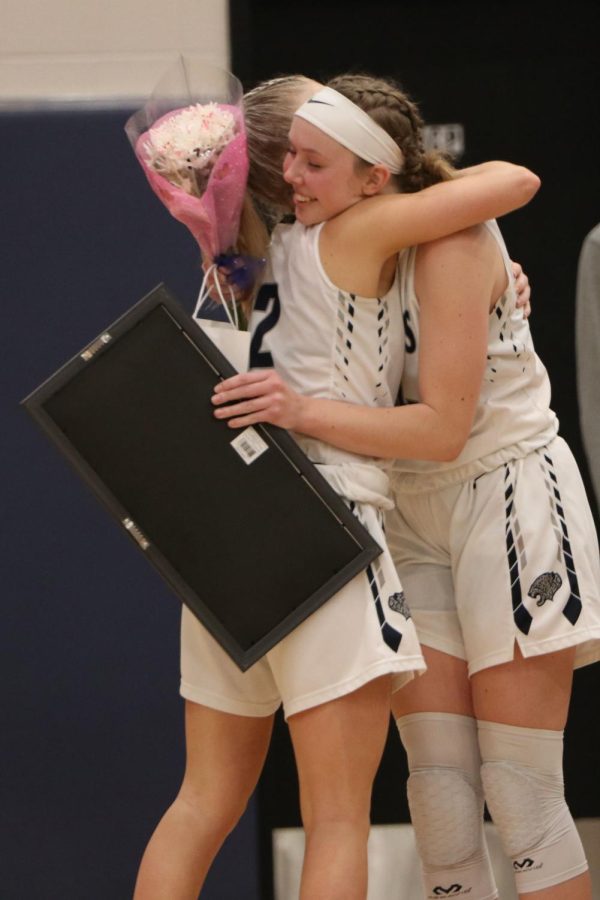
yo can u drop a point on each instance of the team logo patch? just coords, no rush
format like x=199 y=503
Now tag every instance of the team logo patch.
x=545 y=587
x=398 y=603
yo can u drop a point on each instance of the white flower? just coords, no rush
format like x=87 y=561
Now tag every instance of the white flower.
x=184 y=146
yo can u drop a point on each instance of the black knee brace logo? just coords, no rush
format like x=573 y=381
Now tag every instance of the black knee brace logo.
x=398 y=603
x=522 y=864
x=440 y=891
x=545 y=587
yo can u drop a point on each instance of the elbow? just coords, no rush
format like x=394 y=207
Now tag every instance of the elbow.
x=529 y=184
x=447 y=454
x=451 y=447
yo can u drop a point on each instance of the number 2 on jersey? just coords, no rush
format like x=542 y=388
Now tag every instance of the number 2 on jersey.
x=268 y=295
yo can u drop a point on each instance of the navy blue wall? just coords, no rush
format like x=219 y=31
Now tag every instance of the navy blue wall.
x=92 y=727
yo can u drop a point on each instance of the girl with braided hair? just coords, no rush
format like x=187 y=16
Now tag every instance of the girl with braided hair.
x=333 y=673
x=396 y=113
x=491 y=529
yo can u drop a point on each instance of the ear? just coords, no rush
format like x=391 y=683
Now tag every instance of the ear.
x=375 y=180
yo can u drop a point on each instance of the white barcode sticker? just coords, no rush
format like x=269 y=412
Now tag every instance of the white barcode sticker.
x=249 y=445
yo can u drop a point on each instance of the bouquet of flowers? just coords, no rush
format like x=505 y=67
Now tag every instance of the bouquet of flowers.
x=183 y=147
x=191 y=143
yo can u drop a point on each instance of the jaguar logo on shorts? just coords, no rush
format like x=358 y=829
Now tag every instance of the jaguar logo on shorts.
x=398 y=603
x=545 y=587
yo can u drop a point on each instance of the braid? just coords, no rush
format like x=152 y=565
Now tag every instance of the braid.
x=393 y=110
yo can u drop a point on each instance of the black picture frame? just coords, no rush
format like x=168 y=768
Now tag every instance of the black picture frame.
x=252 y=540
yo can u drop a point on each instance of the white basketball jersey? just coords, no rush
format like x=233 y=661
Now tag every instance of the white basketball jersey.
x=513 y=415
x=323 y=341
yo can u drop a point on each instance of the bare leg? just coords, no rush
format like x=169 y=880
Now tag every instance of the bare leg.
x=532 y=693
x=338 y=746
x=444 y=687
x=579 y=888
x=225 y=755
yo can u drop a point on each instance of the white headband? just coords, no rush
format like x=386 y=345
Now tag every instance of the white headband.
x=349 y=125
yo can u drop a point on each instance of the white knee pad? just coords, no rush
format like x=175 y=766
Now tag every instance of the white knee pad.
x=446 y=804
x=524 y=790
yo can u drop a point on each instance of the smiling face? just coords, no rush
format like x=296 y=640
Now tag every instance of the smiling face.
x=324 y=176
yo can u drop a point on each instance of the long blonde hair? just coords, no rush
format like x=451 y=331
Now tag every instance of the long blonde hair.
x=268 y=111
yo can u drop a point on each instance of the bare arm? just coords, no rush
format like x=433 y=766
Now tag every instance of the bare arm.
x=457 y=282
x=481 y=192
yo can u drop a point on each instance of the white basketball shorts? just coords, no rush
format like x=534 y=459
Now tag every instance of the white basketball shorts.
x=361 y=633
x=511 y=555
